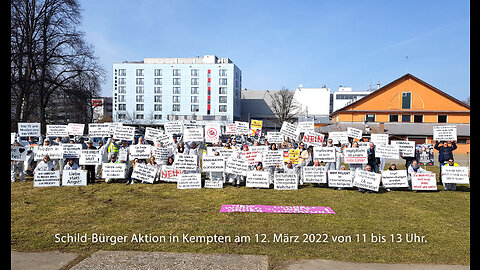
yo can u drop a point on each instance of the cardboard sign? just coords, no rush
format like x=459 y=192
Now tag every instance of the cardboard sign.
x=285 y=181
x=152 y=134
x=256 y=127
x=324 y=154
x=355 y=155
x=193 y=134
x=57 y=130
x=144 y=172
x=395 y=179
x=257 y=179
x=140 y=151
x=99 y=130
x=289 y=130
x=213 y=183
x=424 y=181
x=113 y=170
x=230 y=129
x=46 y=179
x=354 y=133
x=90 y=157
x=212 y=132
x=274 y=137
x=379 y=139
x=18 y=153
x=272 y=158
x=71 y=150
x=444 y=133
x=54 y=152
x=228 y=208
x=213 y=164
x=173 y=127
x=338 y=136
x=242 y=128
x=340 y=179
x=313 y=138
x=314 y=174
x=236 y=166
x=387 y=151
x=306 y=126
x=124 y=133
x=455 y=174
x=161 y=154
x=367 y=180
x=169 y=173
x=29 y=129
x=185 y=162
x=75 y=129
x=405 y=148
x=189 y=181
x=74 y=178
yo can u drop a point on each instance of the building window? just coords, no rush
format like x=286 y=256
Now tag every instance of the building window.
x=157 y=90
x=370 y=117
x=406 y=100
x=139 y=89
x=406 y=118
x=195 y=81
x=176 y=81
x=122 y=89
x=157 y=99
x=157 y=72
x=222 y=73
x=176 y=90
x=122 y=116
x=140 y=107
x=122 y=72
x=222 y=99
x=442 y=118
x=176 y=107
x=195 y=108
x=176 y=72
x=139 y=72
x=139 y=98
x=222 y=108
x=139 y=81
x=194 y=72
x=223 y=81
x=122 y=81
x=194 y=99
x=176 y=99
x=418 y=118
x=157 y=107
x=394 y=118
x=194 y=91
x=139 y=116
x=122 y=107
x=157 y=117
x=157 y=81
x=121 y=98
x=222 y=90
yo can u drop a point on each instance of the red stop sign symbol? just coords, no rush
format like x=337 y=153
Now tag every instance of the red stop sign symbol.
x=212 y=132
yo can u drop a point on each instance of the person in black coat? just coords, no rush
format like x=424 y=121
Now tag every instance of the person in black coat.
x=445 y=153
x=90 y=168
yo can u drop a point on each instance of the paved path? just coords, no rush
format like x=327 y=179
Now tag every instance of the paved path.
x=106 y=260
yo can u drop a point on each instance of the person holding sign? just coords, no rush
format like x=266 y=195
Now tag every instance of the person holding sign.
x=414 y=168
x=16 y=166
x=113 y=159
x=71 y=165
x=450 y=186
x=445 y=153
x=90 y=168
x=372 y=160
x=45 y=165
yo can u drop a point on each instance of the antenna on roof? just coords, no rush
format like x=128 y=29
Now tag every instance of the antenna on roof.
x=406 y=64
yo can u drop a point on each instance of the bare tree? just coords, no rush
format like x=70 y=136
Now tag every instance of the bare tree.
x=285 y=107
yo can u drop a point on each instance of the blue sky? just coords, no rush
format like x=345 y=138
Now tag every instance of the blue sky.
x=284 y=43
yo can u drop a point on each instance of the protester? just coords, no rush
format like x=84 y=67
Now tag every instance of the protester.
x=17 y=167
x=412 y=169
x=71 y=165
x=45 y=165
x=90 y=168
x=450 y=186
x=445 y=152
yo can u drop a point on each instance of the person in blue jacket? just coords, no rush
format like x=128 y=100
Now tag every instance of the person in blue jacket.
x=445 y=152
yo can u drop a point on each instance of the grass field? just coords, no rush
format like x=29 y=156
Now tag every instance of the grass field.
x=368 y=220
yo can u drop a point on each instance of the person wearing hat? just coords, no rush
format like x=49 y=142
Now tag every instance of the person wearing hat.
x=90 y=168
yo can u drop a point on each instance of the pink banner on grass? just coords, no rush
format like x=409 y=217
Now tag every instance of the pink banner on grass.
x=226 y=208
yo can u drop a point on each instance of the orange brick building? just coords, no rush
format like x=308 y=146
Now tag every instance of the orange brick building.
x=407 y=108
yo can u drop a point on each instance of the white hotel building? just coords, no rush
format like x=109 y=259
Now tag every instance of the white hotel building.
x=156 y=90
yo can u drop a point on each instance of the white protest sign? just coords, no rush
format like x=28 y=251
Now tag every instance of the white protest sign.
x=455 y=174
x=140 y=151
x=354 y=133
x=13 y=137
x=242 y=128
x=152 y=134
x=46 y=179
x=212 y=132
x=75 y=129
x=57 y=130
x=166 y=140
x=54 y=152
x=306 y=126
x=363 y=145
x=367 y=180
x=19 y=153
x=99 y=130
x=124 y=133
x=253 y=157
x=193 y=134
x=144 y=172
x=213 y=164
x=90 y=157
x=257 y=179
x=285 y=181
x=338 y=136
x=355 y=155
x=28 y=129
x=387 y=151
x=189 y=181
x=379 y=139
x=113 y=126
x=161 y=154
x=213 y=183
x=113 y=170
x=185 y=162
x=289 y=130
x=173 y=127
x=230 y=129
x=169 y=173
x=405 y=148
x=324 y=154
x=444 y=133
x=341 y=178
x=74 y=178
x=223 y=152
x=236 y=166
x=313 y=138
x=314 y=174
x=274 y=137
x=424 y=181
x=395 y=178
x=272 y=158
x=71 y=150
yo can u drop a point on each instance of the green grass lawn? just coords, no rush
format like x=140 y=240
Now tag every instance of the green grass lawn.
x=443 y=218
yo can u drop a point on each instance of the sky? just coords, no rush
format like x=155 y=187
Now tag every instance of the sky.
x=285 y=43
